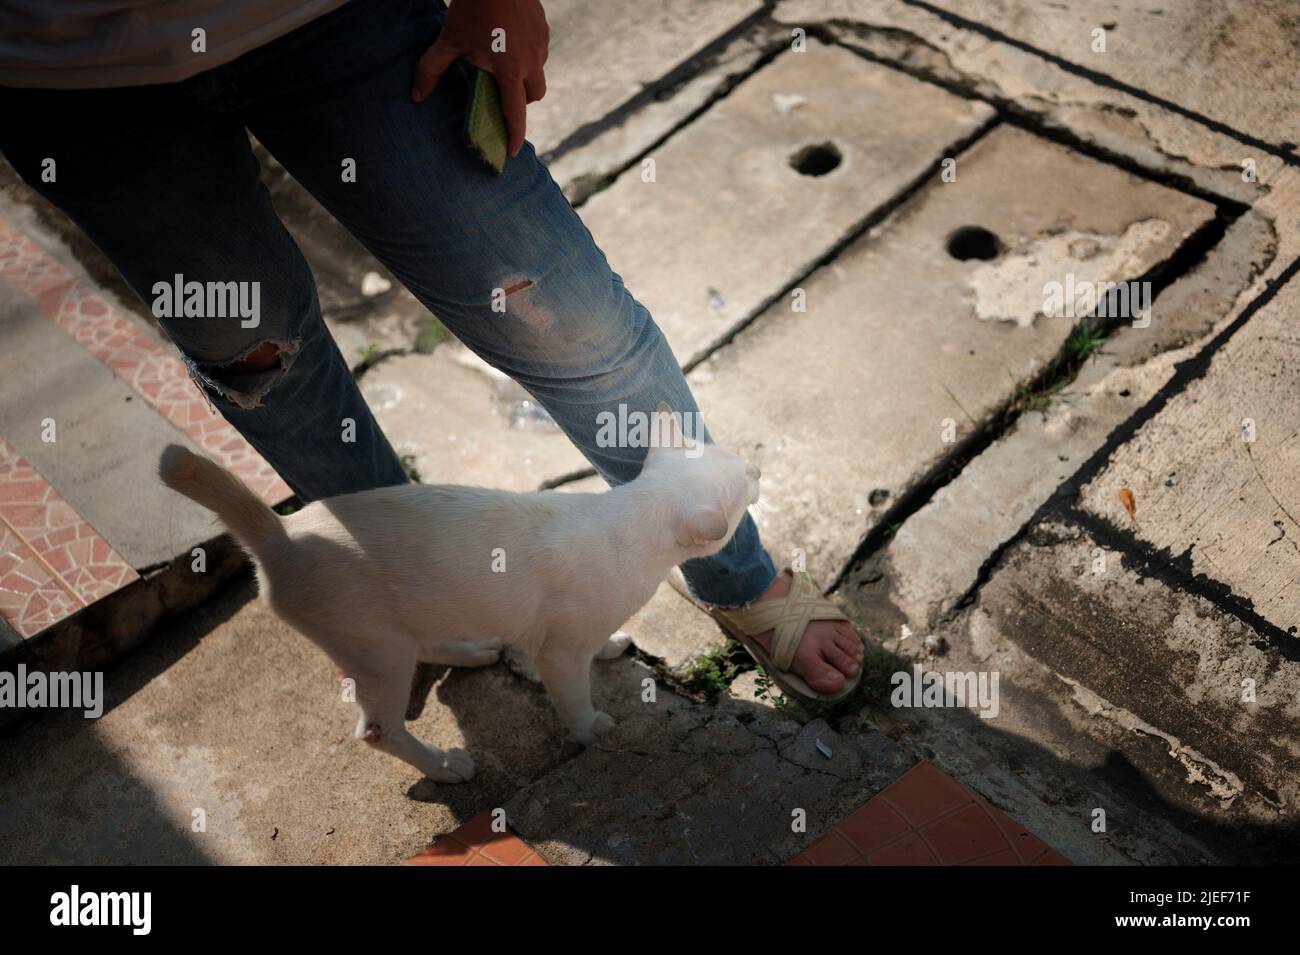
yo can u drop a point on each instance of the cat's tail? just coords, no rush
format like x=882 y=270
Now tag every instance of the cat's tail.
x=254 y=524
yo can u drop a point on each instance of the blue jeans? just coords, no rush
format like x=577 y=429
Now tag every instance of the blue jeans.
x=163 y=180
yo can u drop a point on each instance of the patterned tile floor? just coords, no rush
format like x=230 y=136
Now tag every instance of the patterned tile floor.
x=925 y=817
x=52 y=562
x=156 y=374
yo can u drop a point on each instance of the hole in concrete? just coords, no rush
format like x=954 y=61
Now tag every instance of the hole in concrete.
x=816 y=160
x=973 y=242
x=877 y=497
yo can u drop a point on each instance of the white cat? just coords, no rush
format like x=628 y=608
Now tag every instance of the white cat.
x=444 y=574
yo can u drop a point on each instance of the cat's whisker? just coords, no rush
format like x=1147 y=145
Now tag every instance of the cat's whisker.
x=763 y=505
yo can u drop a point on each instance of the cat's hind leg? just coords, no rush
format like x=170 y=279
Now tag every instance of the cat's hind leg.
x=383 y=687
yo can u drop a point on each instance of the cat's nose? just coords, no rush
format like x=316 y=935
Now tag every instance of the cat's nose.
x=753 y=473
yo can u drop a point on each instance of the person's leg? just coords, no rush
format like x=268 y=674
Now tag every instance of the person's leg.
x=166 y=184
x=460 y=238
x=463 y=240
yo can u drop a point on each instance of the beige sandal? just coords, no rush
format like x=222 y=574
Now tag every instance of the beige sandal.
x=789 y=616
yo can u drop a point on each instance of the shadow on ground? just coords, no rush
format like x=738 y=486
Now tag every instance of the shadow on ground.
x=229 y=711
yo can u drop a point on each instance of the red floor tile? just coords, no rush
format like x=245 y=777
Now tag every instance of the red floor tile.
x=475 y=843
x=969 y=833
x=52 y=562
x=909 y=850
x=925 y=793
x=925 y=817
x=874 y=824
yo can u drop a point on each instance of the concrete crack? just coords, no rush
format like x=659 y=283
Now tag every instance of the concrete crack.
x=1223 y=784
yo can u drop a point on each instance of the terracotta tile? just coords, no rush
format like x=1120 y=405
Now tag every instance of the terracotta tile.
x=474 y=843
x=1052 y=857
x=964 y=835
x=1024 y=843
x=1003 y=857
x=446 y=851
x=477 y=832
x=957 y=827
x=910 y=850
x=507 y=849
x=924 y=793
x=832 y=849
x=873 y=825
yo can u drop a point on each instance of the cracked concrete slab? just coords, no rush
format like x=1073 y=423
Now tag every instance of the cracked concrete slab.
x=935 y=558
x=1214 y=59
x=586 y=168
x=465 y=423
x=1059 y=94
x=889 y=365
x=725 y=186
x=1202 y=707
x=603 y=54
x=698 y=785
x=1213 y=476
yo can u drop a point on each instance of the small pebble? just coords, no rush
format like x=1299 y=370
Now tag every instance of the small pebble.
x=936 y=644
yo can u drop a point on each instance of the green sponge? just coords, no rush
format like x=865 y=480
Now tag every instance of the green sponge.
x=485 y=124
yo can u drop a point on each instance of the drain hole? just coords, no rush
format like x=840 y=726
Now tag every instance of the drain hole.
x=816 y=160
x=973 y=242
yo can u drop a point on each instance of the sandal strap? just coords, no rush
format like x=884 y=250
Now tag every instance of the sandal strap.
x=788 y=616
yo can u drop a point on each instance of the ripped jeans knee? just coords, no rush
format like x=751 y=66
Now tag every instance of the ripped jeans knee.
x=249 y=376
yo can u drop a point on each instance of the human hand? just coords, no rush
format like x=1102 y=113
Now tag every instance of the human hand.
x=507 y=38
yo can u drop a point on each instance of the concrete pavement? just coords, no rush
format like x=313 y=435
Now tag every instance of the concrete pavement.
x=1101 y=513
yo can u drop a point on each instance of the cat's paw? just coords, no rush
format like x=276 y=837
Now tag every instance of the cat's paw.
x=614 y=647
x=457 y=767
x=601 y=724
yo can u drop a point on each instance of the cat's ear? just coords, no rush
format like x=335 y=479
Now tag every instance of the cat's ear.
x=666 y=431
x=701 y=525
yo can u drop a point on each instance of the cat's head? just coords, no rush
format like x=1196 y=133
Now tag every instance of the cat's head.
x=712 y=487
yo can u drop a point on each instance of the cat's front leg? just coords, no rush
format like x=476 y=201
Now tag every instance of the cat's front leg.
x=567 y=678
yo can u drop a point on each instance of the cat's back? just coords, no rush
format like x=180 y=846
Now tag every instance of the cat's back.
x=403 y=516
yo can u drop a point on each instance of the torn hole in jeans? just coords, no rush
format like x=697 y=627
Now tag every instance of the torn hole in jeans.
x=247 y=378
x=519 y=295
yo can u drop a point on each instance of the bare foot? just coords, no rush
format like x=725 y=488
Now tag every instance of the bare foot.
x=829 y=652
